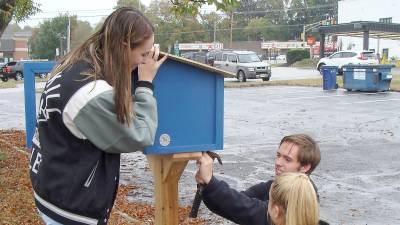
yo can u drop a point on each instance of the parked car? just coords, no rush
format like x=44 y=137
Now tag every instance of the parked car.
x=281 y=57
x=18 y=69
x=342 y=58
x=8 y=73
x=245 y=64
x=196 y=56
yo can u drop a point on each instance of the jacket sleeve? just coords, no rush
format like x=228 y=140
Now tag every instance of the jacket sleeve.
x=315 y=188
x=94 y=118
x=233 y=205
x=259 y=191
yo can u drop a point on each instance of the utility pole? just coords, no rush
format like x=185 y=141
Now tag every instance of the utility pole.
x=308 y=27
x=304 y=28
x=69 y=35
x=61 y=45
x=230 y=42
x=215 y=33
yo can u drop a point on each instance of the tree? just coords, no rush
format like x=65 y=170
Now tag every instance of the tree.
x=52 y=34
x=191 y=7
x=130 y=3
x=256 y=28
x=169 y=28
x=80 y=31
x=310 y=11
x=211 y=24
x=18 y=10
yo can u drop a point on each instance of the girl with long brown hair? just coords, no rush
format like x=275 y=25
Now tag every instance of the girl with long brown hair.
x=89 y=113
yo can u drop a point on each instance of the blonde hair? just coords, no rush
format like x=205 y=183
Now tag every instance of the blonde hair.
x=295 y=194
x=309 y=152
x=108 y=52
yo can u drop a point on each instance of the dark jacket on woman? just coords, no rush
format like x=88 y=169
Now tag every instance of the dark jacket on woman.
x=74 y=166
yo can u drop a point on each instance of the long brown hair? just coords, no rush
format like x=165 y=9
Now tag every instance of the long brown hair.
x=107 y=50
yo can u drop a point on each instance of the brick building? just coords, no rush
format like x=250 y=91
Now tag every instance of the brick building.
x=14 y=46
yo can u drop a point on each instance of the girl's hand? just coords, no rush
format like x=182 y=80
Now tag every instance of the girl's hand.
x=147 y=71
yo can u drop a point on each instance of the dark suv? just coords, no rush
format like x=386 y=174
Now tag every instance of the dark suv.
x=7 y=72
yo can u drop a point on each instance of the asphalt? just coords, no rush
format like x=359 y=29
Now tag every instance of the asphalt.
x=359 y=135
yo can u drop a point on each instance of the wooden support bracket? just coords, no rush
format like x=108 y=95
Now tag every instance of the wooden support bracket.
x=167 y=170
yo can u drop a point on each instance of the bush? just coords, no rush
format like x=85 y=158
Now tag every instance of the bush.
x=297 y=55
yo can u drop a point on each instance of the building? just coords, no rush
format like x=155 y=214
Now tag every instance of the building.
x=370 y=10
x=190 y=47
x=14 y=46
x=275 y=48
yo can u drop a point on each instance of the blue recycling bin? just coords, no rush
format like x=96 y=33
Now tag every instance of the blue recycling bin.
x=368 y=78
x=329 y=77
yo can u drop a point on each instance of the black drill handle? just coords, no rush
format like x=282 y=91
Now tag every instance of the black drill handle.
x=196 y=203
x=197 y=198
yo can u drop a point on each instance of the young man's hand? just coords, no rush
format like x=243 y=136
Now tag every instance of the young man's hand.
x=148 y=70
x=205 y=172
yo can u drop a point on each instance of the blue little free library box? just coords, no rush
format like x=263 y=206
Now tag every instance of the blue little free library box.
x=190 y=101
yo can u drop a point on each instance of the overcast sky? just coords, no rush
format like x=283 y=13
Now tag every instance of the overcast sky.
x=89 y=10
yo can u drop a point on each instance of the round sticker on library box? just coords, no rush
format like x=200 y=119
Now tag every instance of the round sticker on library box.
x=165 y=140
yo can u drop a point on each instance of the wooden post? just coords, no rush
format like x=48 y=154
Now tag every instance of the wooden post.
x=167 y=170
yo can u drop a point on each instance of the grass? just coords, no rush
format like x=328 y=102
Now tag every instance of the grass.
x=306 y=63
x=276 y=64
x=8 y=84
x=37 y=79
x=395 y=84
x=12 y=83
x=300 y=82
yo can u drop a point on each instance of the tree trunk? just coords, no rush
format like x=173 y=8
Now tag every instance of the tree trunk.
x=6 y=13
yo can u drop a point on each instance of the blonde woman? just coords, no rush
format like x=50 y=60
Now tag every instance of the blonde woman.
x=89 y=114
x=293 y=201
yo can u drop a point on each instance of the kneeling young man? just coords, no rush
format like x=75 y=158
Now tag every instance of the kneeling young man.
x=296 y=153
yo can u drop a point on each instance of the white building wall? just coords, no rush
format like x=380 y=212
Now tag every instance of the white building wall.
x=369 y=10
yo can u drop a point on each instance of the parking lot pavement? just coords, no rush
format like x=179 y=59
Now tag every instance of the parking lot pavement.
x=359 y=136
x=12 y=103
